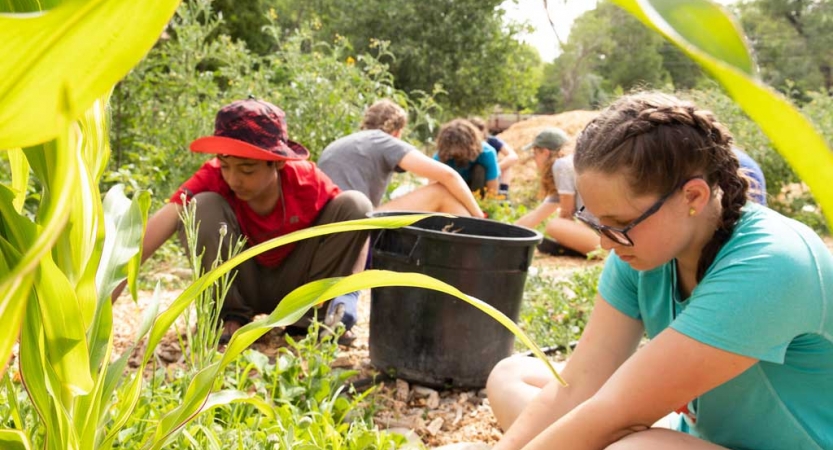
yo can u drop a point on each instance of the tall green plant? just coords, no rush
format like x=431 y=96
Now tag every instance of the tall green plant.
x=723 y=53
x=58 y=269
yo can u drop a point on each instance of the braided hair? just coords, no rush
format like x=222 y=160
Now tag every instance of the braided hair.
x=659 y=141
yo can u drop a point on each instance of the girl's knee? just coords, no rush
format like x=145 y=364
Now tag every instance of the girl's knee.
x=507 y=372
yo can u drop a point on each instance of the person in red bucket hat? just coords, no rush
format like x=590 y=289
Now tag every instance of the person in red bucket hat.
x=260 y=185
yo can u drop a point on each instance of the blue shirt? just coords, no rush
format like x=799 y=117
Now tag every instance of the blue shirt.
x=487 y=159
x=767 y=295
x=757 y=185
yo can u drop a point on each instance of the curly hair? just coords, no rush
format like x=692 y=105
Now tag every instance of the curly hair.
x=459 y=141
x=384 y=115
x=657 y=141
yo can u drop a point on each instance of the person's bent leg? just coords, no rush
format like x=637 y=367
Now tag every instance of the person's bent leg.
x=333 y=255
x=477 y=179
x=662 y=439
x=512 y=384
x=431 y=198
x=572 y=234
x=212 y=213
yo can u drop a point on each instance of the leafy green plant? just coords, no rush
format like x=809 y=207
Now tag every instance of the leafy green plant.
x=58 y=269
x=171 y=97
x=555 y=311
x=202 y=339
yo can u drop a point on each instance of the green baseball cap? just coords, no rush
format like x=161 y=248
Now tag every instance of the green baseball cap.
x=549 y=138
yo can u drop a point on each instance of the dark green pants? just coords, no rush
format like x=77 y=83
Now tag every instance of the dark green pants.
x=258 y=289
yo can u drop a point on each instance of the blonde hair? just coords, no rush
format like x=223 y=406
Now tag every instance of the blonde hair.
x=547 y=177
x=460 y=141
x=384 y=115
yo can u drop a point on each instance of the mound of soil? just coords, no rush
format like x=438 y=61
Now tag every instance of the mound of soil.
x=525 y=182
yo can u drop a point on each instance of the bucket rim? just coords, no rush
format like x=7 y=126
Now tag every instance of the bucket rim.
x=534 y=238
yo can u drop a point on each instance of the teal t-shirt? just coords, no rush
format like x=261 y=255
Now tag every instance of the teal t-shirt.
x=487 y=159
x=768 y=295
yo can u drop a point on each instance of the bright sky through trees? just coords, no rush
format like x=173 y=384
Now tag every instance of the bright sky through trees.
x=561 y=12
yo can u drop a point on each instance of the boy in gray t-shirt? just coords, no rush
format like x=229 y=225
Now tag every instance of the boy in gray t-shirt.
x=365 y=161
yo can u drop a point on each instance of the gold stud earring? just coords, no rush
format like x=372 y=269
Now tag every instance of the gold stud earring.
x=692 y=212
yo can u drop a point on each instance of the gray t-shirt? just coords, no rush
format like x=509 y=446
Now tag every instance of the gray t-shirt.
x=364 y=162
x=565 y=180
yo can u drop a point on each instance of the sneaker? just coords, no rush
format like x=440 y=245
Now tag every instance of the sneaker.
x=551 y=247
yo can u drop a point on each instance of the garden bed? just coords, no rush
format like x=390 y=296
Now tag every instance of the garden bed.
x=438 y=417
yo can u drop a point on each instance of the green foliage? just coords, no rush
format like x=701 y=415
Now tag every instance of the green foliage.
x=171 y=98
x=501 y=209
x=748 y=136
x=554 y=312
x=793 y=42
x=463 y=46
x=610 y=51
x=301 y=401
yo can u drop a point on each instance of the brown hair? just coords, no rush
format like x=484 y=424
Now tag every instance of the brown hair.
x=384 y=115
x=460 y=141
x=480 y=124
x=547 y=177
x=659 y=141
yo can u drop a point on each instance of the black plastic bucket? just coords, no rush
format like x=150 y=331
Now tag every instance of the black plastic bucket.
x=432 y=338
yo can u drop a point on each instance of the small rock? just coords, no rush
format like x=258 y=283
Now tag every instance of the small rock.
x=422 y=391
x=433 y=400
x=435 y=426
x=402 y=390
x=458 y=415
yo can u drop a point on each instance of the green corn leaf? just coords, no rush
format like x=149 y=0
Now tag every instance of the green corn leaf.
x=116 y=369
x=93 y=42
x=43 y=387
x=14 y=440
x=20 y=176
x=231 y=396
x=64 y=333
x=16 y=234
x=25 y=6
x=125 y=223
x=716 y=47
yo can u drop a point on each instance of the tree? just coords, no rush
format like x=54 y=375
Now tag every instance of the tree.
x=793 y=41
x=607 y=51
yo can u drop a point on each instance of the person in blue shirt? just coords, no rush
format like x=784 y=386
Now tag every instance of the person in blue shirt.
x=459 y=145
x=736 y=299
x=751 y=169
x=506 y=155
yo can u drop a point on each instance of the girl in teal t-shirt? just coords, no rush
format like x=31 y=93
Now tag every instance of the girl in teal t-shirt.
x=736 y=299
x=460 y=145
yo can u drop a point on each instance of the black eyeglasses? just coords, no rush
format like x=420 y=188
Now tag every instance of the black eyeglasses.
x=620 y=235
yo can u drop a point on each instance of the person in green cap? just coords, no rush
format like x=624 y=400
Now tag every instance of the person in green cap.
x=565 y=235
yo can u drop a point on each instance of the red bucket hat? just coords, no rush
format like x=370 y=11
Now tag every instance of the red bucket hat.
x=252 y=129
